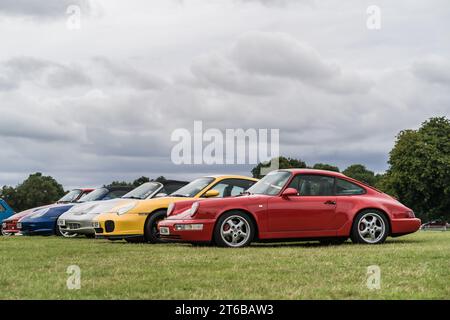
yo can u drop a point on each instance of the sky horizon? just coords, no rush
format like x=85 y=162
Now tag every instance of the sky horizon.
x=98 y=103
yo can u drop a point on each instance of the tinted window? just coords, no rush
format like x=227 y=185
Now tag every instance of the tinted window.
x=271 y=184
x=115 y=194
x=171 y=187
x=71 y=196
x=143 y=191
x=232 y=187
x=344 y=187
x=313 y=185
x=94 y=195
x=193 y=188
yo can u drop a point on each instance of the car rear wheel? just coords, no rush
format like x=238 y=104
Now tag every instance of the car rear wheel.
x=151 y=232
x=234 y=229
x=370 y=227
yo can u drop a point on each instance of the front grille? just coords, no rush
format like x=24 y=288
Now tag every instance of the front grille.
x=109 y=226
x=98 y=230
x=72 y=226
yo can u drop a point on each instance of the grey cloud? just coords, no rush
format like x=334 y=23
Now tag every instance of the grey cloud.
x=123 y=74
x=433 y=69
x=54 y=75
x=280 y=55
x=41 y=9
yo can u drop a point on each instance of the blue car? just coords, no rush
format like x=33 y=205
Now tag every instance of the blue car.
x=5 y=211
x=43 y=221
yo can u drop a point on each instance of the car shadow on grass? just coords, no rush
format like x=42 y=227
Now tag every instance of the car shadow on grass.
x=315 y=244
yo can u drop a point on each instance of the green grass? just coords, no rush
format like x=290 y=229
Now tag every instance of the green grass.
x=412 y=267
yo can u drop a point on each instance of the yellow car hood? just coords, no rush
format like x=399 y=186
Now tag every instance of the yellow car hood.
x=150 y=205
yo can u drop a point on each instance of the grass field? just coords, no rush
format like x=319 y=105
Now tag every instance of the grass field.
x=414 y=266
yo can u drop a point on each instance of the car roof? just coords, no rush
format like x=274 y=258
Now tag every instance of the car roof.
x=229 y=176
x=315 y=171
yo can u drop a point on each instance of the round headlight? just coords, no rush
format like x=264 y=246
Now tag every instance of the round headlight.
x=170 y=208
x=126 y=208
x=193 y=209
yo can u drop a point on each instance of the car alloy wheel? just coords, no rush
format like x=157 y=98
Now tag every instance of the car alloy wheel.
x=66 y=234
x=6 y=234
x=371 y=228
x=235 y=231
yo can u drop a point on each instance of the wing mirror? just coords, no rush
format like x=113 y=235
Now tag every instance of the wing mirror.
x=211 y=193
x=290 y=192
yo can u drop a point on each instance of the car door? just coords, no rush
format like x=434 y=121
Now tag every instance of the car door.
x=313 y=209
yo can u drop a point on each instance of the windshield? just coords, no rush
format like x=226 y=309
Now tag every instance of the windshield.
x=97 y=194
x=71 y=196
x=271 y=184
x=193 y=188
x=143 y=191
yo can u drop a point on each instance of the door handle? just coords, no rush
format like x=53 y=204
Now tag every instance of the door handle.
x=330 y=202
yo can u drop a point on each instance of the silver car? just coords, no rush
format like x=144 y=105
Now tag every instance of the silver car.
x=78 y=220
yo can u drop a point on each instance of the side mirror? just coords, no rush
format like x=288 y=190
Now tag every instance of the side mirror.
x=161 y=195
x=290 y=192
x=211 y=193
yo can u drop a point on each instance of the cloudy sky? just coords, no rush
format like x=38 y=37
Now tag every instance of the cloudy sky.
x=99 y=103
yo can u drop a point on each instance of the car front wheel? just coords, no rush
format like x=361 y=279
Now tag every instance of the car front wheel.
x=370 y=227
x=151 y=232
x=65 y=234
x=234 y=229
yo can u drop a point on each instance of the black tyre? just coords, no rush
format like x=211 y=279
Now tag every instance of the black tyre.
x=234 y=229
x=151 y=232
x=370 y=227
x=90 y=235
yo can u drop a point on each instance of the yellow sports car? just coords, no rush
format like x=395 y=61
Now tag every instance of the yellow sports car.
x=137 y=220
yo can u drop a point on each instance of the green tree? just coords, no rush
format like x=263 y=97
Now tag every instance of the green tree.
x=359 y=172
x=37 y=190
x=419 y=171
x=325 y=166
x=136 y=183
x=285 y=163
x=161 y=179
x=119 y=184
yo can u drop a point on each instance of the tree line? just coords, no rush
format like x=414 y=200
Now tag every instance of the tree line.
x=418 y=174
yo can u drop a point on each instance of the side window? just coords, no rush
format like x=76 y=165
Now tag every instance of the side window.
x=344 y=187
x=313 y=185
x=115 y=194
x=2 y=208
x=232 y=187
x=172 y=187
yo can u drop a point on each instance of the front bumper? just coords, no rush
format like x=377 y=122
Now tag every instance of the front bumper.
x=404 y=226
x=37 y=228
x=10 y=227
x=204 y=235
x=116 y=227
x=76 y=226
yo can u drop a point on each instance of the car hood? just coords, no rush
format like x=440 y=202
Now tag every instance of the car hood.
x=150 y=205
x=25 y=213
x=91 y=207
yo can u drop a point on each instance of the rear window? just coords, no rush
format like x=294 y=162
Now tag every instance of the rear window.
x=344 y=187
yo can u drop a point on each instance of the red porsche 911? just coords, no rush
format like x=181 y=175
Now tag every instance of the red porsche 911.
x=292 y=204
